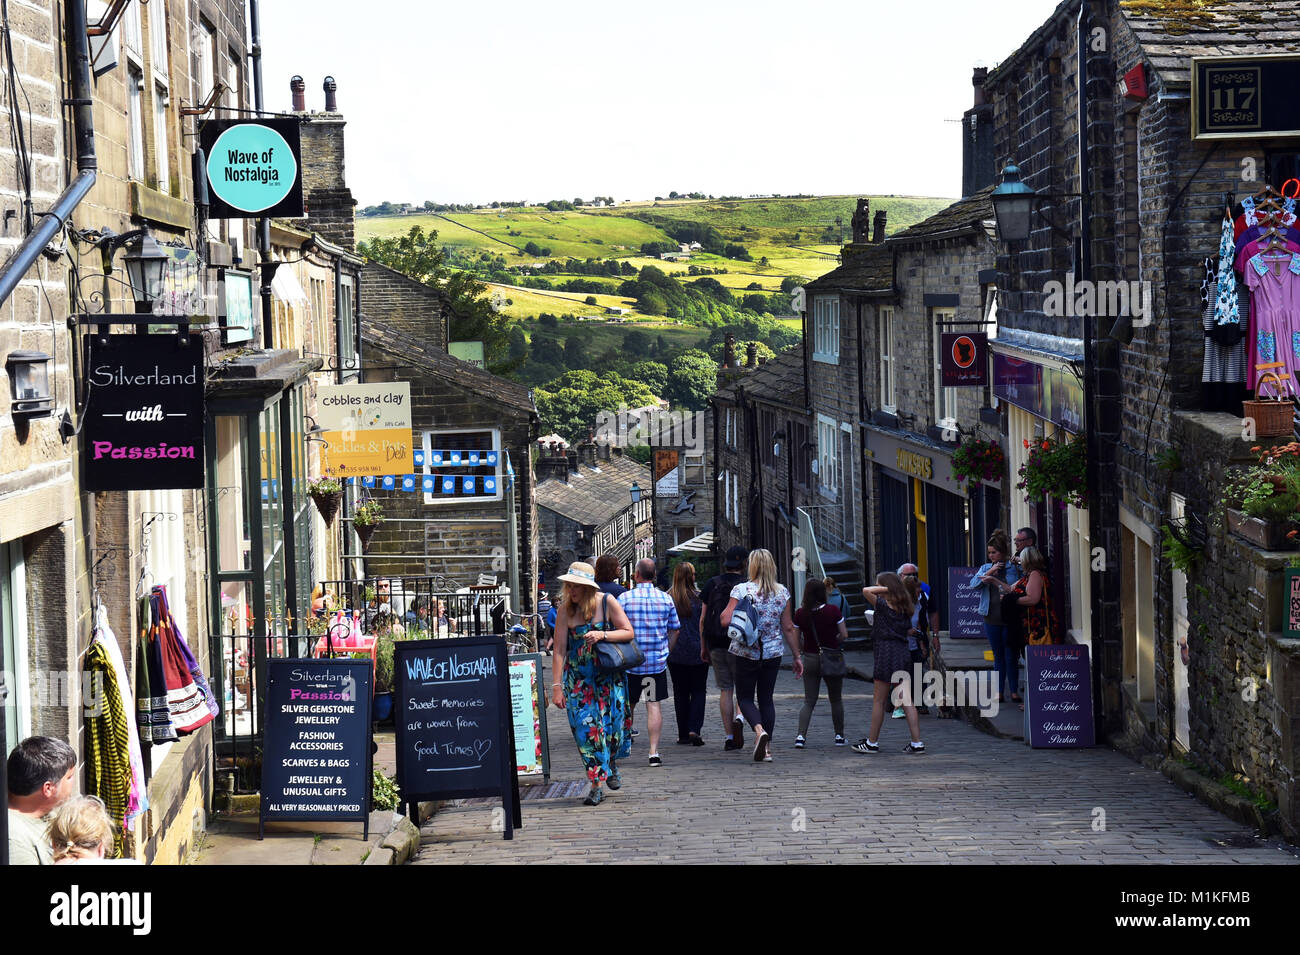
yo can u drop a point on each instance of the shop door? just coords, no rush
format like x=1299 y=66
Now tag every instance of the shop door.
x=894 y=509
x=946 y=547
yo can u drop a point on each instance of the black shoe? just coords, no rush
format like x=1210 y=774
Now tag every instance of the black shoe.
x=738 y=731
x=866 y=746
x=656 y=761
x=760 y=747
x=594 y=797
x=614 y=781
x=694 y=739
x=917 y=750
x=683 y=741
x=732 y=744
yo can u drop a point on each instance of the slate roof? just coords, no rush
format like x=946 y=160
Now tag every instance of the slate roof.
x=1172 y=31
x=408 y=348
x=866 y=268
x=779 y=380
x=594 y=497
x=965 y=216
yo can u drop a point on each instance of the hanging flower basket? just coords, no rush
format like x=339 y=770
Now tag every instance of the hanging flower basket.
x=365 y=532
x=327 y=502
x=977 y=460
x=1055 y=469
x=369 y=516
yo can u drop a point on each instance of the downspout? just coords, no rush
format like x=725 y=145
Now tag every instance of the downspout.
x=50 y=224
x=717 y=539
x=864 y=414
x=266 y=270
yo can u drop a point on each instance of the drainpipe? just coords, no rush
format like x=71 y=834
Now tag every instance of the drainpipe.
x=263 y=224
x=50 y=224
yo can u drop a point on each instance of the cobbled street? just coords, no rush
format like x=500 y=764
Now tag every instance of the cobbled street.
x=970 y=798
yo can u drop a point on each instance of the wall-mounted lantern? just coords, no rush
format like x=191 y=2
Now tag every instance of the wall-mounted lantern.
x=29 y=384
x=145 y=263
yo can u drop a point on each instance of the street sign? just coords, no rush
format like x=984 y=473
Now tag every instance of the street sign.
x=254 y=168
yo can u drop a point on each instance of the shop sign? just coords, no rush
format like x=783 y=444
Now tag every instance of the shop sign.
x=667 y=474
x=238 y=290
x=254 y=168
x=1245 y=97
x=913 y=460
x=965 y=359
x=367 y=429
x=1058 y=696
x=316 y=761
x=471 y=352
x=455 y=733
x=964 y=620
x=1065 y=395
x=143 y=424
x=1019 y=382
x=917 y=465
x=528 y=714
x=1291 y=625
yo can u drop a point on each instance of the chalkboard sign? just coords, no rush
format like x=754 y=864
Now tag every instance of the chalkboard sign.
x=528 y=714
x=1058 y=696
x=455 y=736
x=964 y=620
x=316 y=761
x=1291 y=621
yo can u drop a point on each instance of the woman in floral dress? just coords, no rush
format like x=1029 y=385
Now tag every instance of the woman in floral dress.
x=596 y=699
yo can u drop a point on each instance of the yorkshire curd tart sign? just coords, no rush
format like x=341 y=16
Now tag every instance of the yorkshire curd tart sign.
x=367 y=429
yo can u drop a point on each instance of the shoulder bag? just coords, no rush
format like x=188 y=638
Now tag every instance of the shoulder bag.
x=616 y=657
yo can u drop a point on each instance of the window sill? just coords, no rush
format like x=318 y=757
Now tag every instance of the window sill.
x=826 y=358
x=148 y=203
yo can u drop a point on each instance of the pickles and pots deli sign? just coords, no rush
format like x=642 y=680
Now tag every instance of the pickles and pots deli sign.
x=367 y=429
x=143 y=424
x=254 y=168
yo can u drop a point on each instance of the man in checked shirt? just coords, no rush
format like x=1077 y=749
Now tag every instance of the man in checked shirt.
x=654 y=622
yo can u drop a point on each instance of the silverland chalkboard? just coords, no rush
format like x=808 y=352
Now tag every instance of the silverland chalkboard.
x=316 y=761
x=455 y=732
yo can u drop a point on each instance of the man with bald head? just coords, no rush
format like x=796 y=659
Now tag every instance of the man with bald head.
x=653 y=616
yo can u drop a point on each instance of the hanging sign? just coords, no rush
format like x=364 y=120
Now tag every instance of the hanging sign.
x=528 y=714
x=1291 y=623
x=455 y=735
x=965 y=358
x=254 y=168
x=367 y=430
x=238 y=290
x=1058 y=696
x=964 y=620
x=316 y=760
x=142 y=428
x=666 y=476
x=1245 y=97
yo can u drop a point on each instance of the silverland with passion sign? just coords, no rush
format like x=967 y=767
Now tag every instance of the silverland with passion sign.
x=143 y=424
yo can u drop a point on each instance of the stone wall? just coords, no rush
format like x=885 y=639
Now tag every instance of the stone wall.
x=405 y=304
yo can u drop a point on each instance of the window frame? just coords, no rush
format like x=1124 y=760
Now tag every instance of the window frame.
x=427 y=438
x=826 y=329
x=945 y=399
x=162 y=156
x=887 y=345
x=689 y=463
x=135 y=158
x=829 y=463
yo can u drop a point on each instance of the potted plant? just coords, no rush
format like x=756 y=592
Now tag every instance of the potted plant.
x=1057 y=469
x=1263 y=501
x=369 y=515
x=978 y=460
x=384 y=650
x=327 y=492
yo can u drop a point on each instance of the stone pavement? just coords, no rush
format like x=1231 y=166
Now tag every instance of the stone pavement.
x=971 y=798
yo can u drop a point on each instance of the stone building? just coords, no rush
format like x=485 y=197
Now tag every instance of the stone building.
x=1190 y=661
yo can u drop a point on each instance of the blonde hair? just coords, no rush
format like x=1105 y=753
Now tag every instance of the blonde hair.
x=1031 y=559
x=80 y=827
x=683 y=589
x=762 y=571
x=579 y=600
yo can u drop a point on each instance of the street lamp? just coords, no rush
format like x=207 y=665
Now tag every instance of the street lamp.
x=144 y=268
x=29 y=384
x=1013 y=202
x=636 y=493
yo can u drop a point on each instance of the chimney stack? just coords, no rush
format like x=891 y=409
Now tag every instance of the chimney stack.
x=331 y=99
x=298 y=87
x=861 y=216
x=978 y=169
x=878 y=226
x=602 y=450
x=572 y=457
x=751 y=355
x=729 y=351
x=978 y=77
x=587 y=450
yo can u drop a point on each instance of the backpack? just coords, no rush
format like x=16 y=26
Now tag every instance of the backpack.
x=744 y=622
x=719 y=597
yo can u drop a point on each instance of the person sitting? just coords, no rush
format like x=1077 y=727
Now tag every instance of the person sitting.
x=42 y=774
x=81 y=831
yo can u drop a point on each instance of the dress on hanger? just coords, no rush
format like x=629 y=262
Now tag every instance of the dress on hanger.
x=1274 y=282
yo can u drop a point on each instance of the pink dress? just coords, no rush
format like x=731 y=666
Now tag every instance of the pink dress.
x=1274 y=282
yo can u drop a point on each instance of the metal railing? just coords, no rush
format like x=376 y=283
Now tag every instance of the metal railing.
x=429 y=605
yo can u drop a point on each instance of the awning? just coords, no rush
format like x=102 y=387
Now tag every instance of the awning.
x=286 y=288
x=700 y=544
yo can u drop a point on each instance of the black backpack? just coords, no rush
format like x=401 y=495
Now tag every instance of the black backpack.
x=719 y=597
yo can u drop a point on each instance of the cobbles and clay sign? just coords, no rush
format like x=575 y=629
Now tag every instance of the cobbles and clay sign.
x=367 y=429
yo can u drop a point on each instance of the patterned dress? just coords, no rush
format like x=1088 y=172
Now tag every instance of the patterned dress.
x=1039 y=620
x=597 y=706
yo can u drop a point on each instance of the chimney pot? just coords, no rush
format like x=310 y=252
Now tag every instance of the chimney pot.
x=331 y=100
x=878 y=226
x=751 y=355
x=729 y=351
x=298 y=87
x=978 y=76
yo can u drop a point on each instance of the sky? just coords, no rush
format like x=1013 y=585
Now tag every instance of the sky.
x=486 y=100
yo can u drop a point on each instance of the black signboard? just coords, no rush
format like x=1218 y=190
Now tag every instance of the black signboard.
x=1058 y=696
x=1235 y=97
x=455 y=732
x=965 y=358
x=143 y=424
x=254 y=168
x=316 y=757
x=964 y=620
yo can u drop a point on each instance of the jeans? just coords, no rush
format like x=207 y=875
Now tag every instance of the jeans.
x=689 y=683
x=812 y=684
x=1005 y=664
x=757 y=676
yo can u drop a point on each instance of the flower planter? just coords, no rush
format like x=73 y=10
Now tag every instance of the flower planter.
x=327 y=502
x=365 y=532
x=1267 y=535
x=383 y=707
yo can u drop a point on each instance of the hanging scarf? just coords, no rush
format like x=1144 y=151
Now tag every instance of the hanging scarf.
x=1226 y=310
x=152 y=714
x=103 y=639
x=189 y=698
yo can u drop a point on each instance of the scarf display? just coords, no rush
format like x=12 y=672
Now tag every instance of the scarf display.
x=177 y=699
x=114 y=761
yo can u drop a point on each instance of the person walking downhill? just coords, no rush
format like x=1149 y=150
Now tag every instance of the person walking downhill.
x=686 y=666
x=822 y=630
x=654 y=620
x=595 y=698
x=996 y=571
x=714 y=597
x=758 y=665
x=893 y=606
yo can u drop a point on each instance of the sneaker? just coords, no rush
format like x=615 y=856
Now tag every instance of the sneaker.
x=732 y=744
x=738 y=731
x=798 y=742
x=696 y=739
x=767 y=758
x=898 y=713
x=614 y=780
x=594 y=797
x=760 y=748
x=915 y=749
x=635 y=733
x=841 y=741
x=655 y=760
x=866 y=746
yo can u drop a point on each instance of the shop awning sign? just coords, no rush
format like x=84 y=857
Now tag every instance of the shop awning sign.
x=367 y=429
x=142 y=429
x=254 y=168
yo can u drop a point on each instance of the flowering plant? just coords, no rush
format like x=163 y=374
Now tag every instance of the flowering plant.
x=325 y=484
x=1269 y=489
x=1057 y=469
x=977 y=460
x=371 y=512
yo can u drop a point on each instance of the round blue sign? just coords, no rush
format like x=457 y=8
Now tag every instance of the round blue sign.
x=251 y=167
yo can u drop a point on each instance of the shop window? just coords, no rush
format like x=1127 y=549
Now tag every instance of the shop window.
x=473 y=462
x=826 y=329
x=1021 y=427
x=13 y=645
x=1080 y=547
x=888 y=382
x=945 y=400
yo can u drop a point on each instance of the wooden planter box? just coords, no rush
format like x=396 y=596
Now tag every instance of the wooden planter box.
x=1267 y=535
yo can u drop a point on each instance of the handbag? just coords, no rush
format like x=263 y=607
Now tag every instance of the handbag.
x=617 y=657
x=833 y=662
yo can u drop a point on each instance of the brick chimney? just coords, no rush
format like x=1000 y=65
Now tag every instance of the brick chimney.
x=878 y=226
x=859 y=223
x=571 y=456
x=331 y=210
x=977 y=165
x=729 y=351
x=602 y=451
x=751 y=355
x=587 y=450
